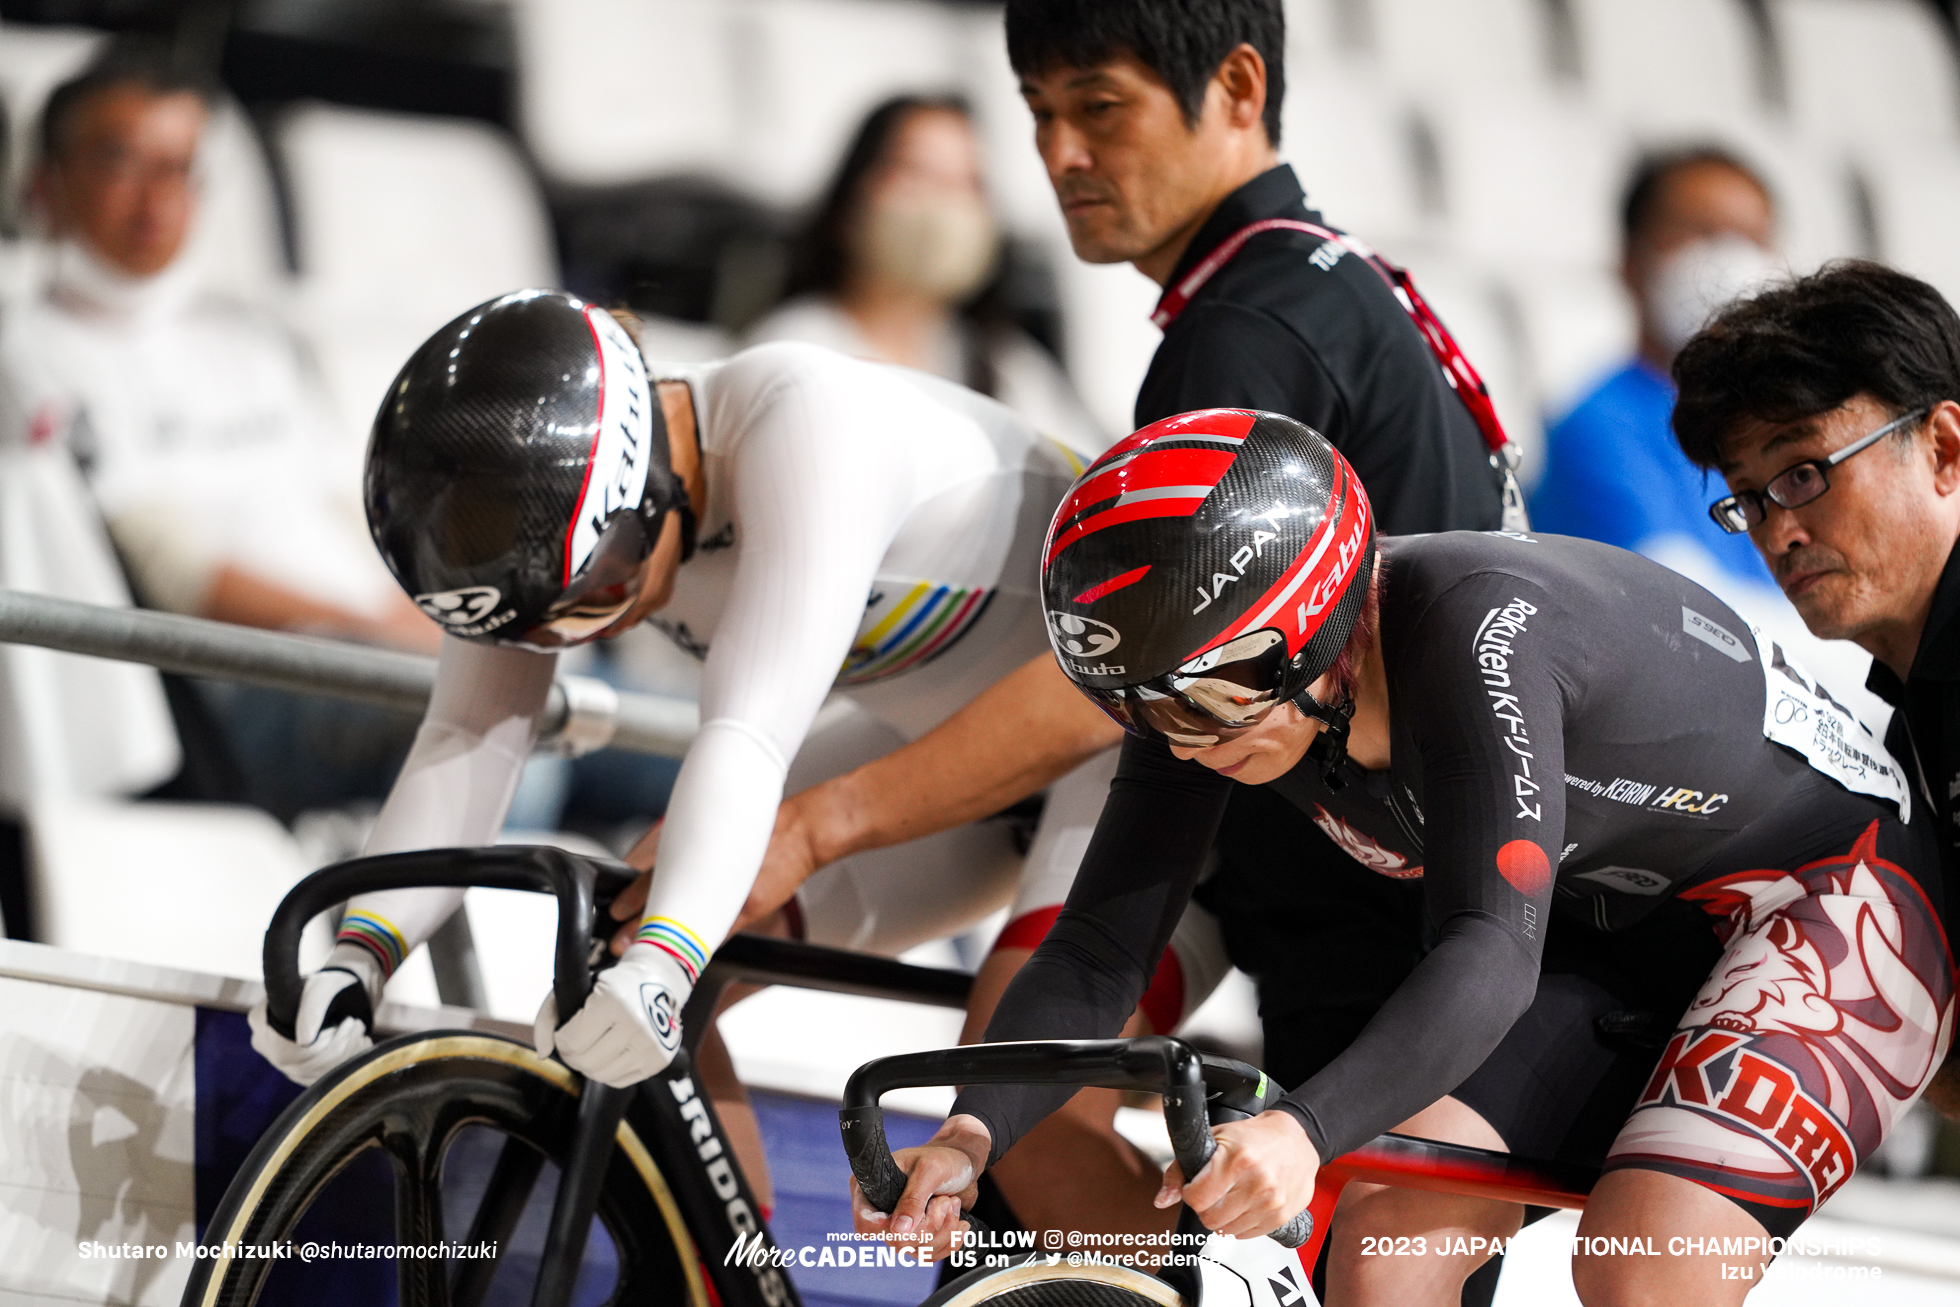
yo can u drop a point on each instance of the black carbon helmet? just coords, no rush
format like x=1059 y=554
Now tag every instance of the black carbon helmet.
x=1205 y=569
x=518 y=472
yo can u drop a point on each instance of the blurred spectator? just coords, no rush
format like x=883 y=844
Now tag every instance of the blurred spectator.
x=197 y=424
x=1699 y=230
x=900 y=264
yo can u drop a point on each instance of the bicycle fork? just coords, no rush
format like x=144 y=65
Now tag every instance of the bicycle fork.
x=677 y=1123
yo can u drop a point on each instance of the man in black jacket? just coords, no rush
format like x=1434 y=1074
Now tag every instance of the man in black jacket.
x=1159 y=125
x=1832 y=408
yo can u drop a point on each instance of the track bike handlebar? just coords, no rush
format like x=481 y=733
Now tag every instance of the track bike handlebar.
x=1155 y=1064
x=582 y=886
x=577 y=883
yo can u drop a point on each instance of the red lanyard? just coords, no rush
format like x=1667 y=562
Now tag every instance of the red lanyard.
x=1463 y=378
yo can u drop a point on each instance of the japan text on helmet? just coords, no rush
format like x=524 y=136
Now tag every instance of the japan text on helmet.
x=1206 y=569
x=518 y=473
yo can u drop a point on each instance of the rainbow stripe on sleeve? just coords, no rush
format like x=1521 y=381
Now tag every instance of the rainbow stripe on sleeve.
x=378 y=936
x=669 y=935
x=909 y=629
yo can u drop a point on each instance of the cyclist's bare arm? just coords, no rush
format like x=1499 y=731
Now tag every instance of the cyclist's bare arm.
x=1016 y=738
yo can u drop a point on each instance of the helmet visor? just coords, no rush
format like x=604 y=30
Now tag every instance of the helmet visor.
x=1219 y=695
x=608 y=585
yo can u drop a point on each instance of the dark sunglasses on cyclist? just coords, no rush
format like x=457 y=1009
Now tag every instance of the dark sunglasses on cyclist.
x=1219 y=695
x=1798 y=485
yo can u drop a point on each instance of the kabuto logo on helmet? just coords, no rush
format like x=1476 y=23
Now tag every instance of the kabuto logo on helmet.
x=616 y=478
x=464 y=607
x=1083 y=637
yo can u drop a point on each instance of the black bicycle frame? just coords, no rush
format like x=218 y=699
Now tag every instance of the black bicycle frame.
x=686 y=1138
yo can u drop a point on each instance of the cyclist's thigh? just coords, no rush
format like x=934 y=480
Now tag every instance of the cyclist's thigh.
x=1824 y=1018
x=889 y=900
x=1197 y=959
x=845 y=736
x=1068 y=819
x=1564 y=1077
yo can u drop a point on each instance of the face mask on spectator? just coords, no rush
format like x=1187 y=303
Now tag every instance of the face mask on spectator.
x=78 y=273
x=1690 y=284
x=939 y=245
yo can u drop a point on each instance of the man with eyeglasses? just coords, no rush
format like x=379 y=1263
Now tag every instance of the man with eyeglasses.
x=200 y=427
x=1829 y=406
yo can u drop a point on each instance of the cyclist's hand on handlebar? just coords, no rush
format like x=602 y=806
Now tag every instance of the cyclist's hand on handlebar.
x=1259 y=1178
x=941 y=1177
x=629 y=1026
x=335 y=1019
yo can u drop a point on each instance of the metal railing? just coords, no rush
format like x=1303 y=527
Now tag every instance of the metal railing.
x=582 y=712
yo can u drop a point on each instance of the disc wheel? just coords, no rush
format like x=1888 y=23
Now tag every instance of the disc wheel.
x=409 y=1098
x=1036 y=1283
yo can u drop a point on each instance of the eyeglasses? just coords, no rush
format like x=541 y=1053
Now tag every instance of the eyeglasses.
x=1217 y=696
x=1797 y=485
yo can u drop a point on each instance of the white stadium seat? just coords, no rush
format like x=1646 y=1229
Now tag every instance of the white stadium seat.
x=1915 y=191
x=1350 y=142
x=1529 y=179
x=187 y=885
x=236 y=245
x=1016 y=178
x=1107 y=334
x=68 y=725
x=1577 y=324
x=622 y=90
x=1867 y=71
x=814 y=68
x=1469 y=45
x=421 y=217
x=402 y=223
x=1320 y=36
x=1665 y=63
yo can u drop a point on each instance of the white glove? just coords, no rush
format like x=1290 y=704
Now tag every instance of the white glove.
x=629 y=1028
x=335 y=1020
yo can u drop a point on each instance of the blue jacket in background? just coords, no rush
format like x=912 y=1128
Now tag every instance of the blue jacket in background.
x=1613 y=472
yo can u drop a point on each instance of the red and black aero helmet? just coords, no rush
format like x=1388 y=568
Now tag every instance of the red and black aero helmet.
x=518 y=472
x=1206 y=569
